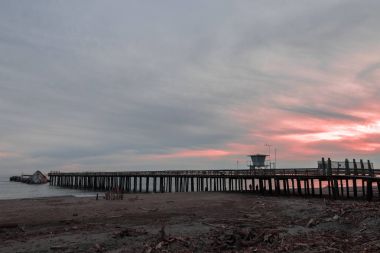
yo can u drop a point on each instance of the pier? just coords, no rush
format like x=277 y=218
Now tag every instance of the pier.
x=358 y=181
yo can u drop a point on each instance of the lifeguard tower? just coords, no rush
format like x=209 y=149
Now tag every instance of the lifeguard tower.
x=258 y=161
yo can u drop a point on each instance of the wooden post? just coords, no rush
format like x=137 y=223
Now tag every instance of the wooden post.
x=323 y=166
x=261 y=185
x=362 y=167
x=363 y=188
x=306 y=190
x=347 y=166
x=355 y=167
x=147 y=184
x=370 y=169
x=329 y=168
x=293 y=187
x=369 y=189
x=335 y=188
x=329 y=186
x=270 y=185
x=276 y=186
x=299 y=186
x=288 y=186
x=355 y=187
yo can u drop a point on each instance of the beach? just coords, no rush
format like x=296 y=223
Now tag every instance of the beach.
x=189 y=222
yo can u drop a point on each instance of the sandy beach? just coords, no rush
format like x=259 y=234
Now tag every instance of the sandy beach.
x=189 y=222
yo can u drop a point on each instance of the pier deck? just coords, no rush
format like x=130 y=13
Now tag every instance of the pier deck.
x=332 y=183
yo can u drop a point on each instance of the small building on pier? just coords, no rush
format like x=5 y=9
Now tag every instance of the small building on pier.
x=258 y=161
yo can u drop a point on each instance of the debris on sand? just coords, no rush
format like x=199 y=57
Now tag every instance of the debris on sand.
x=58 y=247
x=148 y=209
x=130 y=232
x=165 y=241
x=114 y=194
x=311 y=223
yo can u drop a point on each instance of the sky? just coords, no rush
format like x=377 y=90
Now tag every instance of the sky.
x=148 y=85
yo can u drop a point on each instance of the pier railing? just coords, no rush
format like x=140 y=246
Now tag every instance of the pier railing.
x=247 y=172
x=356 y=182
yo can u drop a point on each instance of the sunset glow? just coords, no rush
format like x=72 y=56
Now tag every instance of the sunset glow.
x=339 y=132
x=162 y=85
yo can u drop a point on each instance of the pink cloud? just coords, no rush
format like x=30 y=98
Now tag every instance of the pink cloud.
x=303 y=135
x=337 y=131
x=330 y=110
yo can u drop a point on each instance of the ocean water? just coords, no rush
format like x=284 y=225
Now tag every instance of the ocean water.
x=17 y=190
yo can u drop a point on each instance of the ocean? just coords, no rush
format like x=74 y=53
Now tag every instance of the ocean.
x=17 y=190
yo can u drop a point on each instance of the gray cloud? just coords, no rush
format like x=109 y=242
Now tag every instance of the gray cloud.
x=94 y=83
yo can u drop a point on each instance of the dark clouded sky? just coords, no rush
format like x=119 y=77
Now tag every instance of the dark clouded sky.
x=186 y=84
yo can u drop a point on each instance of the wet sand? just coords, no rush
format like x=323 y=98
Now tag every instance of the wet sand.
x=189 y=222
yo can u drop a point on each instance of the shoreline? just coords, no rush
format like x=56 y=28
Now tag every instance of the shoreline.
x=188 y=222
x=51 y=197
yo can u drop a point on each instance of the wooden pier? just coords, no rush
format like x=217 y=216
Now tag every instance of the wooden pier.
x=362 y=182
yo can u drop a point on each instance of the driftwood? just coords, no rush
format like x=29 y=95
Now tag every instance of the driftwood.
x=9 y=225
x=148 y=210
x=58 y=247
x=114 y=194
x=165 y=240
x=214 y=225
x=130 y=232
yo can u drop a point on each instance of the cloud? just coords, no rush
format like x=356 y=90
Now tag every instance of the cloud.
x=93 y=85
x=212 y=153
x=4 y=155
